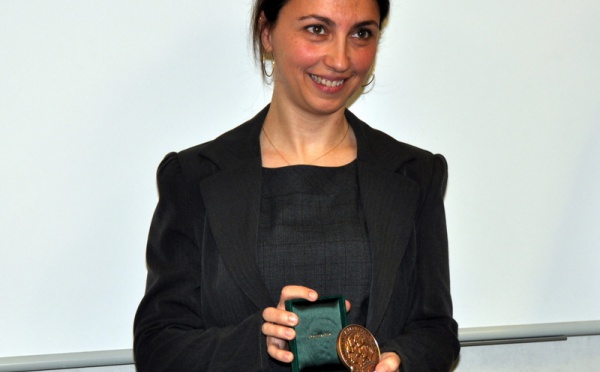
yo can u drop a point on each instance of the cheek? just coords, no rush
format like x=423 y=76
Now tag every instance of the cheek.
x=305 y=54
x=364 y=59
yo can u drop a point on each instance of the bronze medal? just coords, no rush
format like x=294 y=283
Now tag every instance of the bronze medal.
x=358 y=349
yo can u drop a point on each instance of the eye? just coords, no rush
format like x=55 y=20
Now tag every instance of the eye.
x=363 y=33
x=316 y=29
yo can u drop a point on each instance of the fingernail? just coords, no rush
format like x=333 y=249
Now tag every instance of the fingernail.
x=293 y=319
x=312 y=295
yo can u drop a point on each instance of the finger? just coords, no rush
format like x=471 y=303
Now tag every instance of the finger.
x=389 y=362
x=291 y=292
x=277 y=347
x=278 y=343
x=278 y=331
x=279 y=316
x=348 y=306
x=279 y=354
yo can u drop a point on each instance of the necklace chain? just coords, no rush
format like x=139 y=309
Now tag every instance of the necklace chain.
x=315 y=159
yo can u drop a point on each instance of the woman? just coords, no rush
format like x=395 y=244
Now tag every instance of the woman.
x=304 y=200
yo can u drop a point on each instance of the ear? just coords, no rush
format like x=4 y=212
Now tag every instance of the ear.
x=265 y=33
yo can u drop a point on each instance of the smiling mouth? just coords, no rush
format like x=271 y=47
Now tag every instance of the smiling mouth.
x=328 y=83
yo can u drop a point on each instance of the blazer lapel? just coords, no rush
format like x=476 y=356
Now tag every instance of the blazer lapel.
x=232 y=200
x=389 y=201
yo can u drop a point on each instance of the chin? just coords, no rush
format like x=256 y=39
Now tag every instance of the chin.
x=328 y=108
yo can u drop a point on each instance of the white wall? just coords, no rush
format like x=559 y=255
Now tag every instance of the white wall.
x=93 y=94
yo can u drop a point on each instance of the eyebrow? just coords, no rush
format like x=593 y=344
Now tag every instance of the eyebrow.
x=329 y=22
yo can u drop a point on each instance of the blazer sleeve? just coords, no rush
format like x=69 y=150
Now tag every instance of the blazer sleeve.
x=170 y=333
x=429 y=341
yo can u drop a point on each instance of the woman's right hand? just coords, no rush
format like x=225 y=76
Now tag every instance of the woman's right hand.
x=279 y=322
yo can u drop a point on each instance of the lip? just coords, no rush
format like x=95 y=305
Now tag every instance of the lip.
x=328 y=83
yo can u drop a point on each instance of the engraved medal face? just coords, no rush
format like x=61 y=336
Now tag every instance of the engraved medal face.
x=358 y=349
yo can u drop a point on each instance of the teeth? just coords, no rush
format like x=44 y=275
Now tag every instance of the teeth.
x=329 y=83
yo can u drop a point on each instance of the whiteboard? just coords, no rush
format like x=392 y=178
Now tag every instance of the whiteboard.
x=94 y=93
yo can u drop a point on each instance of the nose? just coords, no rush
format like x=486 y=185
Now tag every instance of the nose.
x=338 y=55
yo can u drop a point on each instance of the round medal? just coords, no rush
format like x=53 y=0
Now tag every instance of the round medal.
x=358 y=349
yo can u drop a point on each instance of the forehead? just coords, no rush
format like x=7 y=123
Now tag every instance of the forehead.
x=337 y=10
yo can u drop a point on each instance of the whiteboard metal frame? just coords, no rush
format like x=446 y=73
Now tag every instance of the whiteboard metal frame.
x=468 y=337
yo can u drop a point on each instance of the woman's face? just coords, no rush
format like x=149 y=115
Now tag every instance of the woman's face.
x=323 y=50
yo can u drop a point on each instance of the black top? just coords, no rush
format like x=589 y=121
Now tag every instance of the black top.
x=313 y=233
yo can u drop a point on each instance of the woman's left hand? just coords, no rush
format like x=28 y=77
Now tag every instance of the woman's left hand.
x=388 y=362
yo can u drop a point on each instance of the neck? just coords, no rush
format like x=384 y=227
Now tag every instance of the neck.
x=290 y=138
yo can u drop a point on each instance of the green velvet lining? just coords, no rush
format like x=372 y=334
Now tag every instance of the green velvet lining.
x=319 y=325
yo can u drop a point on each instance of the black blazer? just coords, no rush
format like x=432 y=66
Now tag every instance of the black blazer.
x=202 y=310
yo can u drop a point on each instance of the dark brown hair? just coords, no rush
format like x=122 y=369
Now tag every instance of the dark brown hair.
x=271 y=8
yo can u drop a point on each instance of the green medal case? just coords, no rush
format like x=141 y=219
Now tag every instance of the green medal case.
x=319 y=324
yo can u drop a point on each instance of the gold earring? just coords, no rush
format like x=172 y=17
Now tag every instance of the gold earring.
x=264 y=67
x=370 y=81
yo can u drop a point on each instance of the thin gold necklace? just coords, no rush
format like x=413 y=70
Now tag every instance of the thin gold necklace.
x=315 y=159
